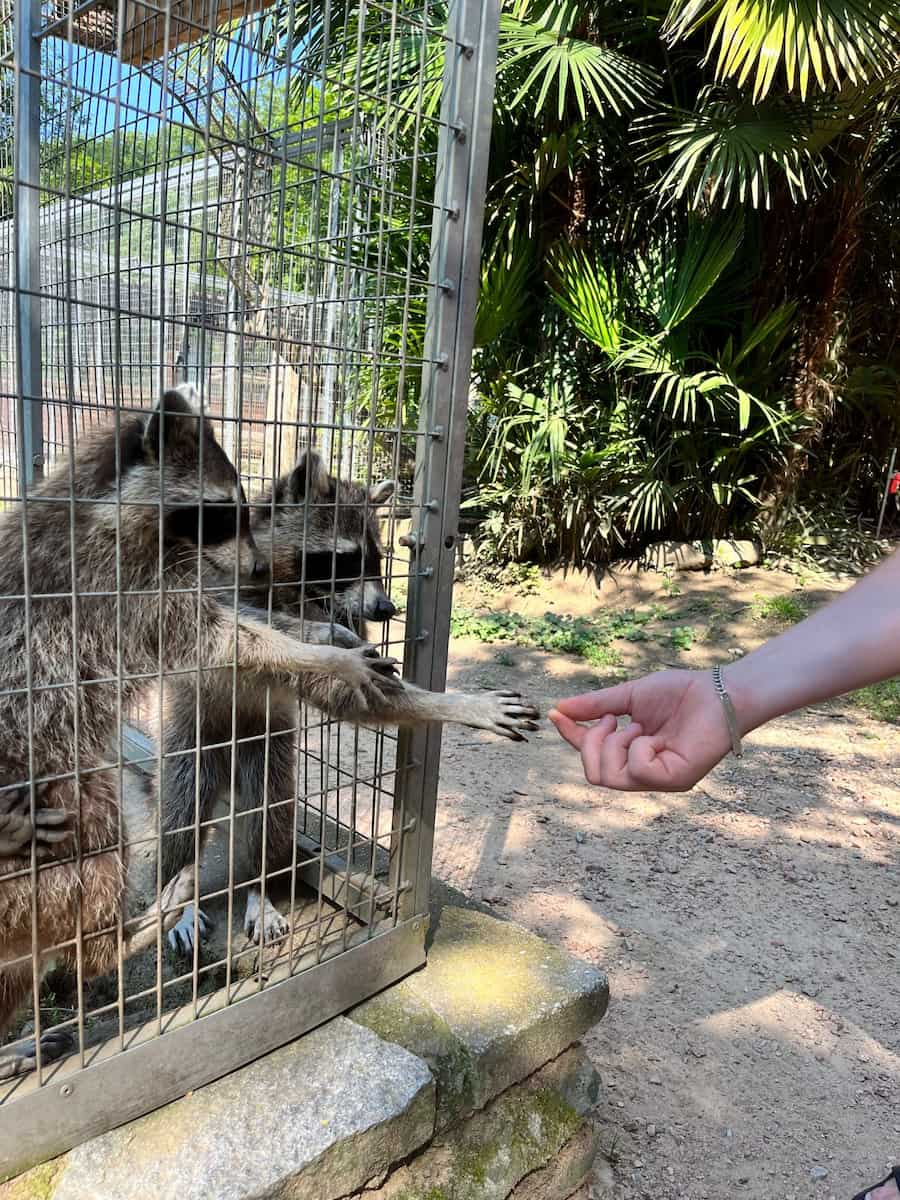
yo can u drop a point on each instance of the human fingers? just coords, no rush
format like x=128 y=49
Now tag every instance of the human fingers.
x=653 y=766
x=574 y=733
x=605 y=759
x=590 y=706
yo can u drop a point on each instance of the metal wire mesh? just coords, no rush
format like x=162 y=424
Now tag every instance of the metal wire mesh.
x=260 y=202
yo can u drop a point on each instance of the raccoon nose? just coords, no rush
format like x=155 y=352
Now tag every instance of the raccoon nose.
x=384 y=610
x=260 y=569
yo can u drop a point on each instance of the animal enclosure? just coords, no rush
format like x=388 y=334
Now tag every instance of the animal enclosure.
x=242 y=234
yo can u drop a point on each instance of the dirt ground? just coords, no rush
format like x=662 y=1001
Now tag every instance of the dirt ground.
x=749 y=928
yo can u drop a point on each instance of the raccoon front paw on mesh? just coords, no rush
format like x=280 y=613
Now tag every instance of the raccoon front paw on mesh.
x=365 y=669
x=181 y=935
x=51 y=826
x=19 y=1060
x=506 y=713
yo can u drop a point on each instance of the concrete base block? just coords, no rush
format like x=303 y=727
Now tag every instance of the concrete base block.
x=493 y=1005
x=530 y=1132
x=573 y=1166
x=463 y=1082
x=314 y=1120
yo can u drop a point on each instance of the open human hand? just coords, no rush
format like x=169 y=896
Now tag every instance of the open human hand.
x=677 y=732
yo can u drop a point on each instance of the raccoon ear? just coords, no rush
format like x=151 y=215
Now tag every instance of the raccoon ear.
x=312 y=465
x=180 y=423
x=380 y=493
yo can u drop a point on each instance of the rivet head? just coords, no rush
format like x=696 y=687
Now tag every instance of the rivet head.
x=66 y=1089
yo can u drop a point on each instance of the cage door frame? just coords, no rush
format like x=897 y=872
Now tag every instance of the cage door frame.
x=454 y=279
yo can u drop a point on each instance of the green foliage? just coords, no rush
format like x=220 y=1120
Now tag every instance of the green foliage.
x=591 y=640
x=491 y=576
x=567 y=68
x=635 y=373
x=580 y=459
x=829 y=42
x=881 y=700
x=560 y=634
x=786 y=609
x=683 y=637
x=728 y=151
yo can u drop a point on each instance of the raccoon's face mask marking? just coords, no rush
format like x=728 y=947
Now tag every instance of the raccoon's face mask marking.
x=210 y=523
x=199 y=482
x=350 y=581
x=331 y=526
x=327 y=572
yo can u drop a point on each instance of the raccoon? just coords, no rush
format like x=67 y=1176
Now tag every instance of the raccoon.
x=119 y=526
x=321 y=536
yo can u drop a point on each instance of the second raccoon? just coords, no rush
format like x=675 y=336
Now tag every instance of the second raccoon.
x=320 y=532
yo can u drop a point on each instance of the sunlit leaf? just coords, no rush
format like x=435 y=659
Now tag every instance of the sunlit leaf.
x=598 y=78
x=826 y=42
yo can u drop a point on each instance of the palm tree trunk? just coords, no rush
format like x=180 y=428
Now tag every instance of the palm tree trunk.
x=809 y=256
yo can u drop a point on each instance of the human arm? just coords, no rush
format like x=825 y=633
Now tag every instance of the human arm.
x=678 y=730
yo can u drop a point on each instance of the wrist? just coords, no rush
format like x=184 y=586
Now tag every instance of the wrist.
x=748 y=688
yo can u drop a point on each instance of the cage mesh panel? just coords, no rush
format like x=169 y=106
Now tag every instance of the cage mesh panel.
x=249 y=210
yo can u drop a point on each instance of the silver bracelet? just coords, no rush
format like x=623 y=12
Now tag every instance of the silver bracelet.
x=730 y=714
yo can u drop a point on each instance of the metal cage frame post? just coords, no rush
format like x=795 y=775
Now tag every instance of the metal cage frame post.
x=27 y=74
x=466 y=117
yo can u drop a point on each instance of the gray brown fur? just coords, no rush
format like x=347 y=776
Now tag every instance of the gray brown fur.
x=312 y=513
x=123 y=469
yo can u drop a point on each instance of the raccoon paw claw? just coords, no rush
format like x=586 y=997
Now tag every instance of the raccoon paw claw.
x=54 y=1045
x=508 y=714
x=181 y=935
x=264 y=923
x=383 y=678
x=383 y=664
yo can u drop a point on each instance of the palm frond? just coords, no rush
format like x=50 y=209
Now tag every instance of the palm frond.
x=694 y=269
x=649 y=504
x=586 y=292
x=768 y=335
x=826 y=42
x=722 y=152
x=600 y=79
x=503 y=296
x=674 y=390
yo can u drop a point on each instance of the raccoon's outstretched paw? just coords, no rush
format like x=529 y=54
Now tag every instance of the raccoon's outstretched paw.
x=181 y=936
x=365 y=671
x=387 y=681
x=263 y=922
x=505 y=713
x=23 y=1059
